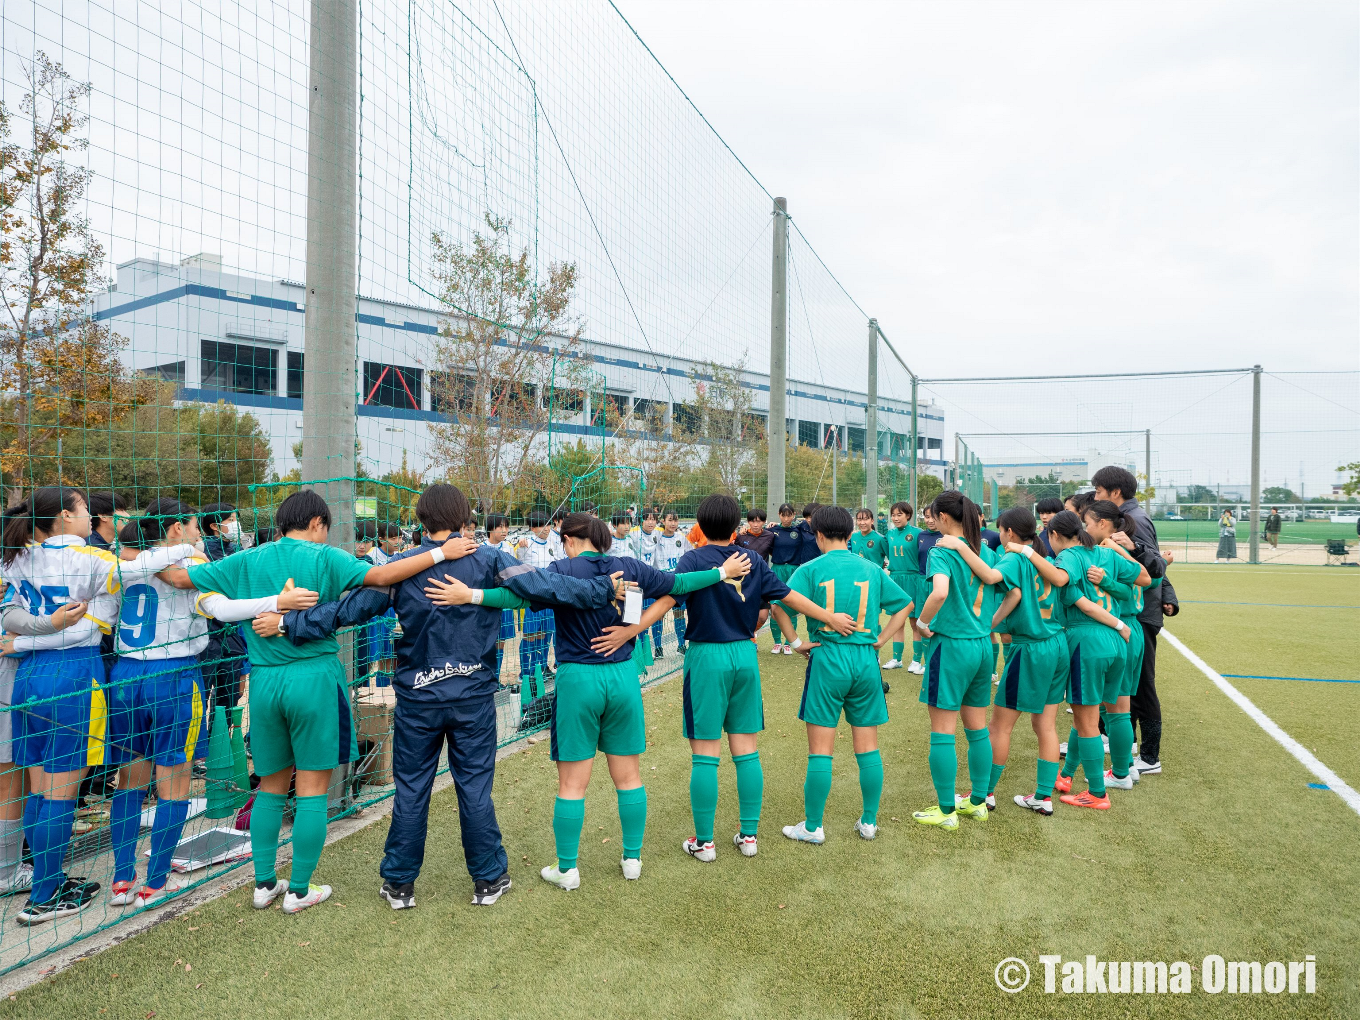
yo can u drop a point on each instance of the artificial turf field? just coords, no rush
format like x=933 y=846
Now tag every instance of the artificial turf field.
x=1229 y=851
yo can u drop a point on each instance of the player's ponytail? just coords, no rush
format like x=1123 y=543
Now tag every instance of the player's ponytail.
x=588 y=528
x=1068 y=525
x=23 y=520
x=154 y=524
x=1020 y=523
x=1105 y=510
x=963 y=511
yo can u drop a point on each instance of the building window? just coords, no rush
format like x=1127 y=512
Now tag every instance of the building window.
x=295 y=375
x=856 y=438
x=617 y=405
x=650 y=415
x=934 y=444
x=171 y=372
x=392 y=385
x=564 y=401
x=808 y=433
x=753 y=426
x=684 y=419
x=239 y=368
x=451 y=393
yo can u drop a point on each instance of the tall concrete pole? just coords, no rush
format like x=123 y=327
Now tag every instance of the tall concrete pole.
x=871 y=425
x=1256 y=464
x=779 y=359
x=329 y=384
x=1147 y=457
x=915 y=456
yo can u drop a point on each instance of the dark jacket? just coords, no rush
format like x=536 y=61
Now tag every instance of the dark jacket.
x=808 y=551
x=1148 y=553
x=1169 y=600
x=761 y=544
x=787 y=542
x=448 y=653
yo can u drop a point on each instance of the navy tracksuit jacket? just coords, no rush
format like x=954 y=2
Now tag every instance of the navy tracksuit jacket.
x=446 y=686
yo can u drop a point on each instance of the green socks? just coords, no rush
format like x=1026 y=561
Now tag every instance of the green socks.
x=1120 y=728
x=1047 y=773
x=870 y=784
x=944 y=769
x=309 y=836
x=996 y=778
x=266 y=818
x=1073 y=754
x=750 y=790
x=568 y=817
x=816 y=788
x=703 y=795
x=979 y=762
x=633 y=816
x=897 y=650
x=1093 y=761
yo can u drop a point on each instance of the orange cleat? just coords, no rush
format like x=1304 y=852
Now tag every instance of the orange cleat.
x=1087 y=799
x=1063 y=784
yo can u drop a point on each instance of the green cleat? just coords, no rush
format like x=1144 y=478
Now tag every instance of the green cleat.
x=934 y=816
x=965 y=806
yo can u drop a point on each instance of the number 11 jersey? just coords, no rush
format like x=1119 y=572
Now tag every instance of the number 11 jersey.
x=846 y=583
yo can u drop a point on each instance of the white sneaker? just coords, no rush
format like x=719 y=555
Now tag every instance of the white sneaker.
x=918 y=668
x=1147 y=768
x=632 y=868
x=148 y=897
x=123 y=892
x=570 y=879
x=293 y=903
x=788 y=649
x=776 y=649
x=1133 y=771
x=800 y=832
x=865 y=830
x=263 y=897
x=1041 y=805
x=1106 y=741
x=1114 y=782
x=746 y=844
x=892 y=664
x=699 y=851
x=1062 y=749
x=20 y=881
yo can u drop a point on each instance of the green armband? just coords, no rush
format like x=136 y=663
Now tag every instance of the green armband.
x=694 y=580
x=502 y=598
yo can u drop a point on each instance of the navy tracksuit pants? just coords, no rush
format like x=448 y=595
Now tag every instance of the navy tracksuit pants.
x=420 y=732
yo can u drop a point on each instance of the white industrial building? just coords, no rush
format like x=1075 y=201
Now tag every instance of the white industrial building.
x=221 y=336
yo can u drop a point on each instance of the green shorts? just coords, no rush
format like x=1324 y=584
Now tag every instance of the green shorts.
x=1096 y=663
x=922 y=586
x=909 y=583
x=721 y=690
x=597 y=708
x=843 y=677
x=1035 y=674
x=958 y=672
x=300 y=717
x=1133 y=662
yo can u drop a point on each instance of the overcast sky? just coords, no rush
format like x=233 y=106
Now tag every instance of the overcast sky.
x=994 y=177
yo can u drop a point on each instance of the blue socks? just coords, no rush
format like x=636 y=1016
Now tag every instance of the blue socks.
x=50 y=837
x=165 y=833
x=125 y=821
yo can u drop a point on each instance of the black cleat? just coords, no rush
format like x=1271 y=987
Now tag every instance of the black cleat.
x=485 y=893
x=71 y=898
x=399 y=897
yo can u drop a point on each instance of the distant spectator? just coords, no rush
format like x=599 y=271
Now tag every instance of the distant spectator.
x=1273 y=523
x=1227 y=537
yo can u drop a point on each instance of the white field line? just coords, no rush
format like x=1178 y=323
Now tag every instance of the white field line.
x=1306 y=757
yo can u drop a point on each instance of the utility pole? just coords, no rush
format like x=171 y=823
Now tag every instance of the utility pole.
x=915 y=457
x=954 y=475
x=871 y=425
x=1147 y=457
x=329 y=385
x=835 y=441
x=1256 y=464
x=779 y=353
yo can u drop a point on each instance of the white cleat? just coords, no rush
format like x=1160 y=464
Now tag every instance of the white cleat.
x=776 y=649
x=293 y=903
x=801 y=833
x=123 y=892
x=632 y=868
x=263 y=897
x=892 y=664
x=1146 y=768
x=1113 y=782
x=746 y=844
x=865 y=830
x=147 y=897
x=1106 y=741
x=1133 y=771
x=1062 y=749
x=700 y=851
x=20 y=881
x=1040 y=805
x=919 y=668
x=569 y=879
x=788 y=649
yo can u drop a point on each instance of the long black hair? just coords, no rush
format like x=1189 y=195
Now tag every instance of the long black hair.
x=589 y=527
x=155 y=522
x=35 y=514
x=962 y=509
x=1068 y=525
x=1105 y=510
x=1020 y=523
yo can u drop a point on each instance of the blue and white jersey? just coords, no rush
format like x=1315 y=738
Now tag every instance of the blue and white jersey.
x=555 y=546
x=535 y=551
x=625 y=547
x=376 y=556
x=668 y=550
x=645 y=545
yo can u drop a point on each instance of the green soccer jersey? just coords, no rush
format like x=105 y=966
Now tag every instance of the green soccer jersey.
x=873 y=547
x=260 y=572
x=902 y=558
x=1075 y=560
x=845 y=583
x=965 y=612
x=1039 y=615
x=1128 y=597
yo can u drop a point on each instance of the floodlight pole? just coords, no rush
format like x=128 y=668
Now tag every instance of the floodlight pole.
x=1256 y=464
x=778 y=439
x=329 y=387
x=871 y=425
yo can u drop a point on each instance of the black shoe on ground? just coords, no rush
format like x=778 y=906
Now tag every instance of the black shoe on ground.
x=399 y=897
x=485 y=893
x=659 y=655
x=71 y=898
x=886 y=688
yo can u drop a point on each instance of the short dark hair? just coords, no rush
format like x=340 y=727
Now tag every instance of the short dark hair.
x=103 y=504
x=718 y=516
x=559 y=514
x=212 y=515
x=810 y=509
x=443 y=507
x=786 y=508
x=365 y=531
x=1079 y=500
x=537 y=519
x=155 y=521
x=618 y=519
x=588 y=527
x=389 y=530
x=864 y=511
x=494 y=521
x=650 y=515
x=670 y=513
x=756 y=515
x=905 y=507
x=297 y=512
x=1049 y=505
x=833 y=522
x=1116 y=479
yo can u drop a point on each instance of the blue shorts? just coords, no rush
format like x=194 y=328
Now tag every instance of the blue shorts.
x=155 y=710
x=66 y=734
x=541 y=621
x=507 y=624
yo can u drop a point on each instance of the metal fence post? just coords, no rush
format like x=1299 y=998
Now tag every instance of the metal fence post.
x=871 y=425
x=779 y=349
x=1256 y=464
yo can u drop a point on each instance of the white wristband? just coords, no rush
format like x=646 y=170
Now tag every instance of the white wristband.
x=797 y=644
x=438 y=553
x=477 y=595
x=1027 y=551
